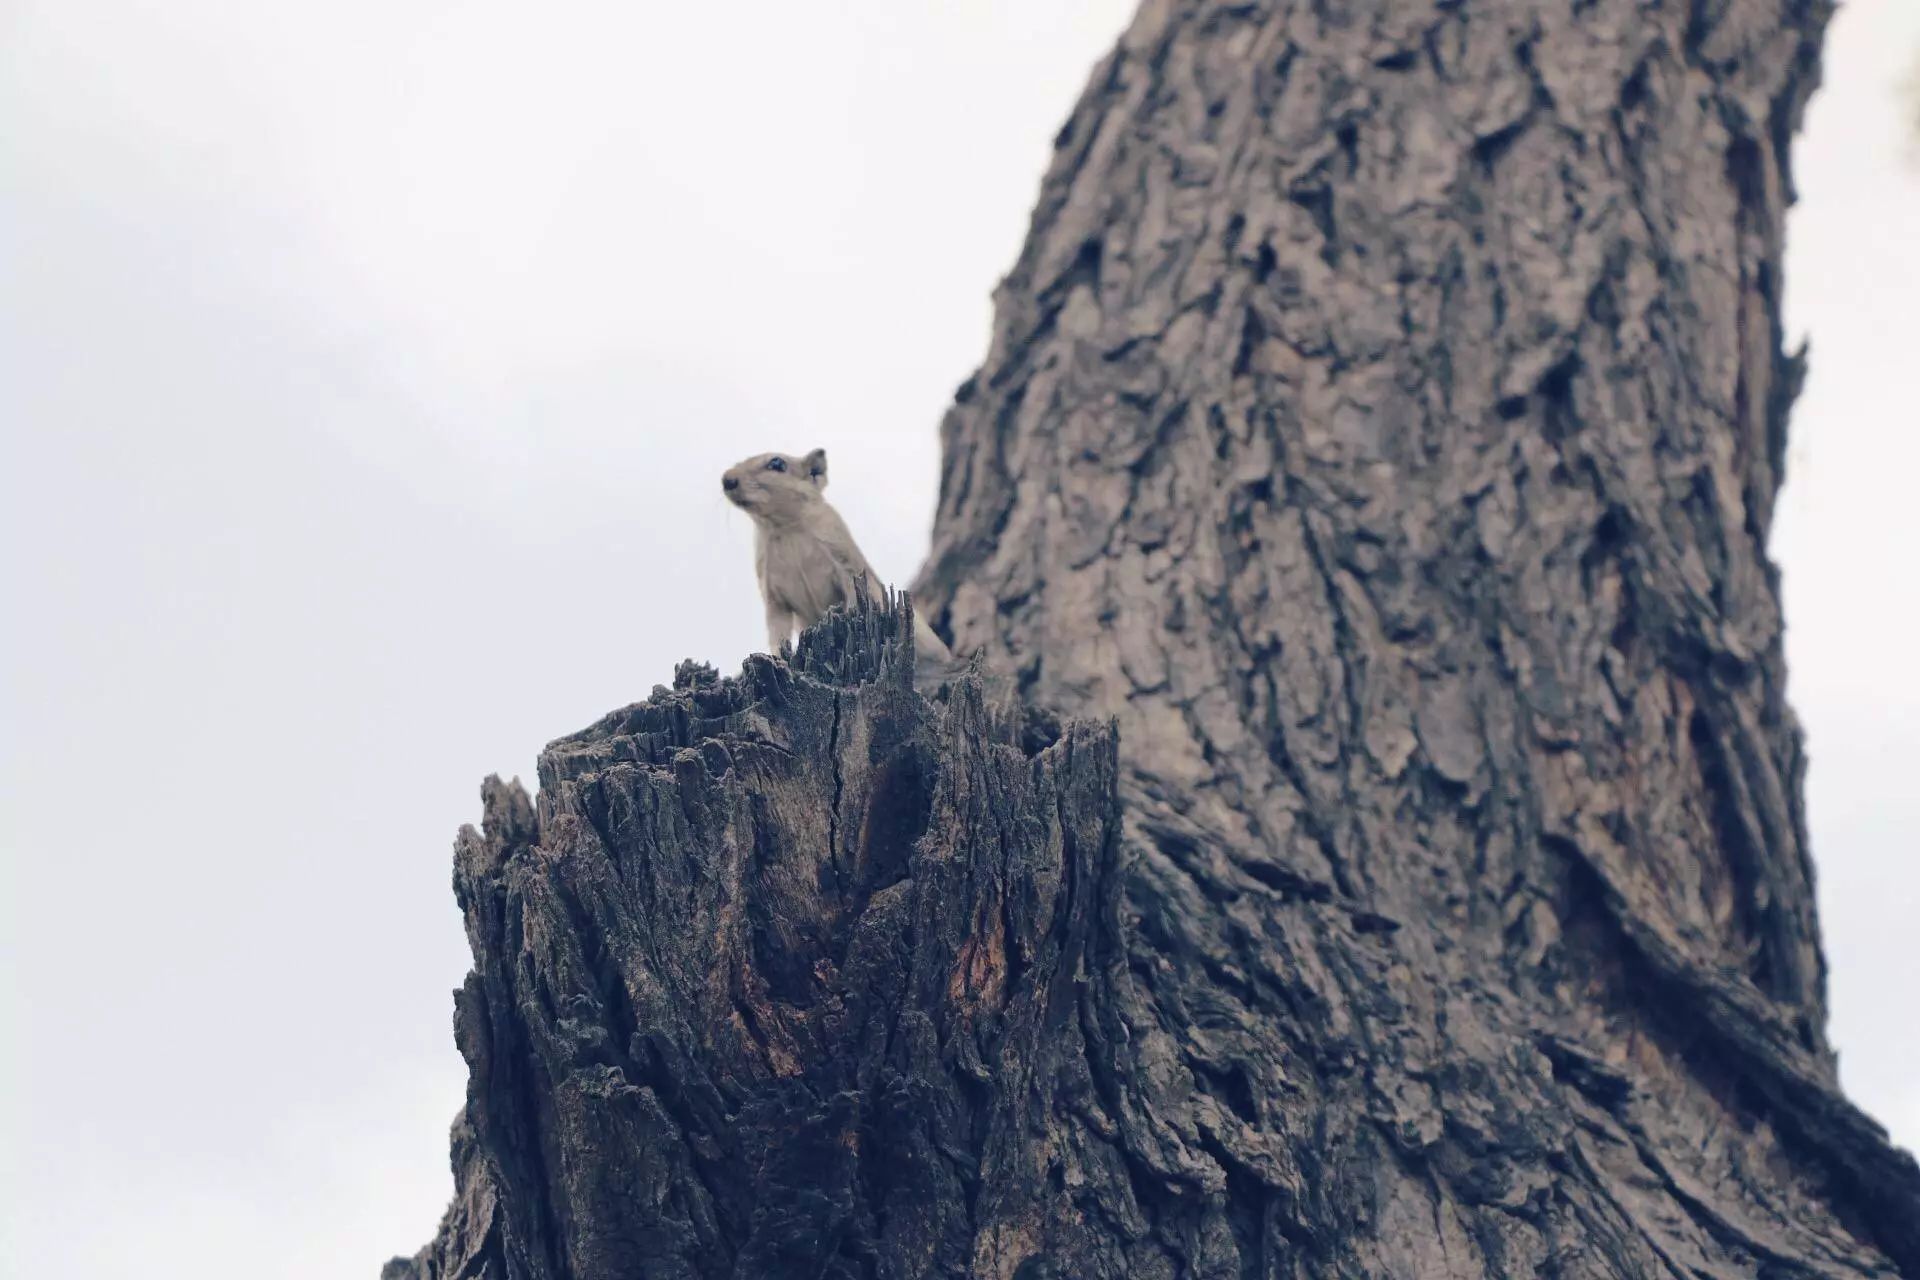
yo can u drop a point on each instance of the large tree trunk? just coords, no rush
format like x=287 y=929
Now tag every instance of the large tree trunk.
x=1381 y=429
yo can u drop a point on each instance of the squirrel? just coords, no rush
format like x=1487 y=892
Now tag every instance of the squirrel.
x=804 y=555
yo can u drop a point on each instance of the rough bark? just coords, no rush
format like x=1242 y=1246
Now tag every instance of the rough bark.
x=1401 y=388
x=781 y=976
x=1381 y=431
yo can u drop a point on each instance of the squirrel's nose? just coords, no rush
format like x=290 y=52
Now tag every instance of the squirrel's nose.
x=729 y=483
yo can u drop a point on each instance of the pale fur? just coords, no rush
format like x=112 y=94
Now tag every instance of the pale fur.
x=804 y=555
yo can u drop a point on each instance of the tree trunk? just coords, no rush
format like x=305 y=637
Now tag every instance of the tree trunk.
x=1381 y=431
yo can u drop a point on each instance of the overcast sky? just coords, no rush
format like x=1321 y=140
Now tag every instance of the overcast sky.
x=364 y=372
x=1845 y=536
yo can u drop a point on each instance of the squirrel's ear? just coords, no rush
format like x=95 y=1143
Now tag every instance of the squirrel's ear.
x=817 y=467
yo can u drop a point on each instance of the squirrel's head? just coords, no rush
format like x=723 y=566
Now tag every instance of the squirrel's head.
x=775 y=486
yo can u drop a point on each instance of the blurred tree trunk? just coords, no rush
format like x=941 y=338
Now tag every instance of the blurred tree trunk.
x=1382 y=429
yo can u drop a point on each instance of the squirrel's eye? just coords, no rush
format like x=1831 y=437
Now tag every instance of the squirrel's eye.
x=776 y=464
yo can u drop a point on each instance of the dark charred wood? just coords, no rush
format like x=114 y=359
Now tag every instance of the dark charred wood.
x=780 y=976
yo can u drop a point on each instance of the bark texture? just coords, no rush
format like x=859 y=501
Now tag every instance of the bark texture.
x=1400 y=390
x=1381 y=433
x=781 y=976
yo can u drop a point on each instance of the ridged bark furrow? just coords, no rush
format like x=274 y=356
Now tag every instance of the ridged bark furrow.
x=778 y=977
x=1383 y=424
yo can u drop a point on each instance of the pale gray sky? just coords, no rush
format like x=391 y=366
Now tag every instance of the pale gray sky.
x=364 y=371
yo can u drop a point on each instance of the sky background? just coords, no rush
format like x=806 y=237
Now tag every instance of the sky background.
x=365 y=369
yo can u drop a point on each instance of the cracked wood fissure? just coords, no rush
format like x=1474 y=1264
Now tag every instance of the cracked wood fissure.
x=1382 y=425
x=1397 y=867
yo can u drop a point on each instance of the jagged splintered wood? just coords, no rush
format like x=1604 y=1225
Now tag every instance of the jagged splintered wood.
x=1381 y=431
x=781 y=976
